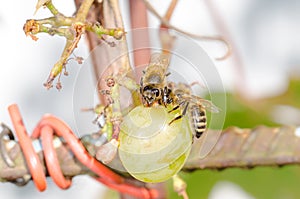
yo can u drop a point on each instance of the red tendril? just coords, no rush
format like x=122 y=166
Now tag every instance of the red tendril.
x=46 y=128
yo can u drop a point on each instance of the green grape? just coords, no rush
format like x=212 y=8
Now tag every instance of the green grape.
x=150 y=149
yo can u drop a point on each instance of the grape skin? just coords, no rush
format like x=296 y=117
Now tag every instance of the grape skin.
x=150 y=149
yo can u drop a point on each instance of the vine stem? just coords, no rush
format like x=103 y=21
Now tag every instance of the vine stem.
x=84 y=10
x=139 y=19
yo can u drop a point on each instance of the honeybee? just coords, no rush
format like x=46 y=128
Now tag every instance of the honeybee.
x=195 y=106
x=155 y=90
x=153 y=84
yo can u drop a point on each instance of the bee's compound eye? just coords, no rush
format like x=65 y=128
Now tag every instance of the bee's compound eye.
x=156 y=92
x=150 y=149
x=147 y=88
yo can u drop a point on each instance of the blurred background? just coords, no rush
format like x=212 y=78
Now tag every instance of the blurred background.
x=265 y=35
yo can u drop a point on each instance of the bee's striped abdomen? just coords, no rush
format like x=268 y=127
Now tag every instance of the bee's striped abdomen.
x=198 y=120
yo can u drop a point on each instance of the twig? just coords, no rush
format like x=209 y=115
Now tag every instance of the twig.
x=171 y=9
x=72 y=28
x=166 y=23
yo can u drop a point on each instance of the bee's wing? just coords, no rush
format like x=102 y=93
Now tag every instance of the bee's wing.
x=160 y=59
x=208 y=105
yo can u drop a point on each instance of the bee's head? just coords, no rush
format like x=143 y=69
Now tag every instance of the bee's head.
x=151 y=94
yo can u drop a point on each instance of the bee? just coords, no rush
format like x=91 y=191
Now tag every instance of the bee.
x=156 y=90
x=153 y=84
x=191 y=104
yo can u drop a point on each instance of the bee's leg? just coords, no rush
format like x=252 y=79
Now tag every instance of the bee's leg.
x=176 y=118
x=176 y=107
x=180 y=116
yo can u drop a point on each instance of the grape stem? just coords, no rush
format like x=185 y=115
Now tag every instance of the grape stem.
x=72 y=28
